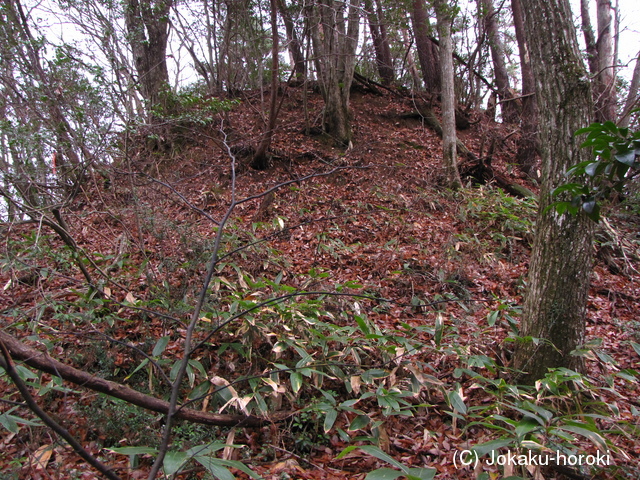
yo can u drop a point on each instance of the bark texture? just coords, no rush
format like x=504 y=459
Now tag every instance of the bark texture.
x=509 y=107
x=147 y=24
x=555 y=304
x=528 y=145
x=449 y=137
x=380 y=42
x=427 y=51
x=334 y=34
x=606 y=86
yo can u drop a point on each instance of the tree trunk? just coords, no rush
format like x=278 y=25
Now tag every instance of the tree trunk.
x=606 y=91
x=380 y=43
x=555 y=304
x=427 y=51
x=449 y=154
x=632 y=97
x=500 y=73
x=528 y=145
x=589 y=37
x=335 y=38
x=260 y=159
x=294 y=45
x=147 y=23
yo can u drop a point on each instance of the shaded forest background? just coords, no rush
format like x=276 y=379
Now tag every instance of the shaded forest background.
x=312 y=262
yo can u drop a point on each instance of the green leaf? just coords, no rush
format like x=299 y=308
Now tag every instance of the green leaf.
x=161 y=344
x=215 y=467
x=384 y=474
x=484 y=448
x=173 y=461
x=636 y=347
x=330 y=419
x=628 y=158
x=456 y=402
x=296 y=382
x=9 y=422
x=379 y=454
x=597 y=439
x=133 y=450
x=421 y=473
x=359 y=422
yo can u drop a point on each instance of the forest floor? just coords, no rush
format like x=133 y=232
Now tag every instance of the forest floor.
x=422 y=285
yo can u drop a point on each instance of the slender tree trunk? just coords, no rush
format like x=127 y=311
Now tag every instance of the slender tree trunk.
x=427 y=51
x=449 y=138
x=528 y=145
x=380 y=43
x=500 y=73
x=294 y=45
x=555 y=304
x=589 y=37
x=335 y=38
x=260 y=160
x=632 y=97
x=606 y=91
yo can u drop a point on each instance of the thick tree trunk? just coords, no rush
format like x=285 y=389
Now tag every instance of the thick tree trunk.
x=528 y=145
x=427 y=51
x=380 y=43
x=555 y=304
x=509 y=107
x=606 y=91
x=449 y=153
x=147 y=24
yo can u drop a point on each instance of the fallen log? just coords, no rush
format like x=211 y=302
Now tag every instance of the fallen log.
x=43 y=362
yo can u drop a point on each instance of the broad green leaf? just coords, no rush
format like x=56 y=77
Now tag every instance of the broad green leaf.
x=384 y=474
x=487 y=447
x=421 y=473
x=379 y=454
x=330 y=419
x=238 y=466
x=214 y=467
x=359 y=422
x=173 y=461
x=456 y=402
x=636 y=347
x=8 y=422
x=296 y=381
x=161 y=344
x=597 y=439
x=628 y=158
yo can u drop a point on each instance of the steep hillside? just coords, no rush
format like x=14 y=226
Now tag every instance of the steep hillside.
x=396 y=306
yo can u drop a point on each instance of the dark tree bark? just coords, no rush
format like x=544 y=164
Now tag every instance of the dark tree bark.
x=509 y=107
x=334 y=33
x=427 y=52
x=528 y=145
x=147 y=24
x=589 y=37
x=555 y=305
x=294 y=45
x=380 y=42
x=449 y=153
x=260 y=160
